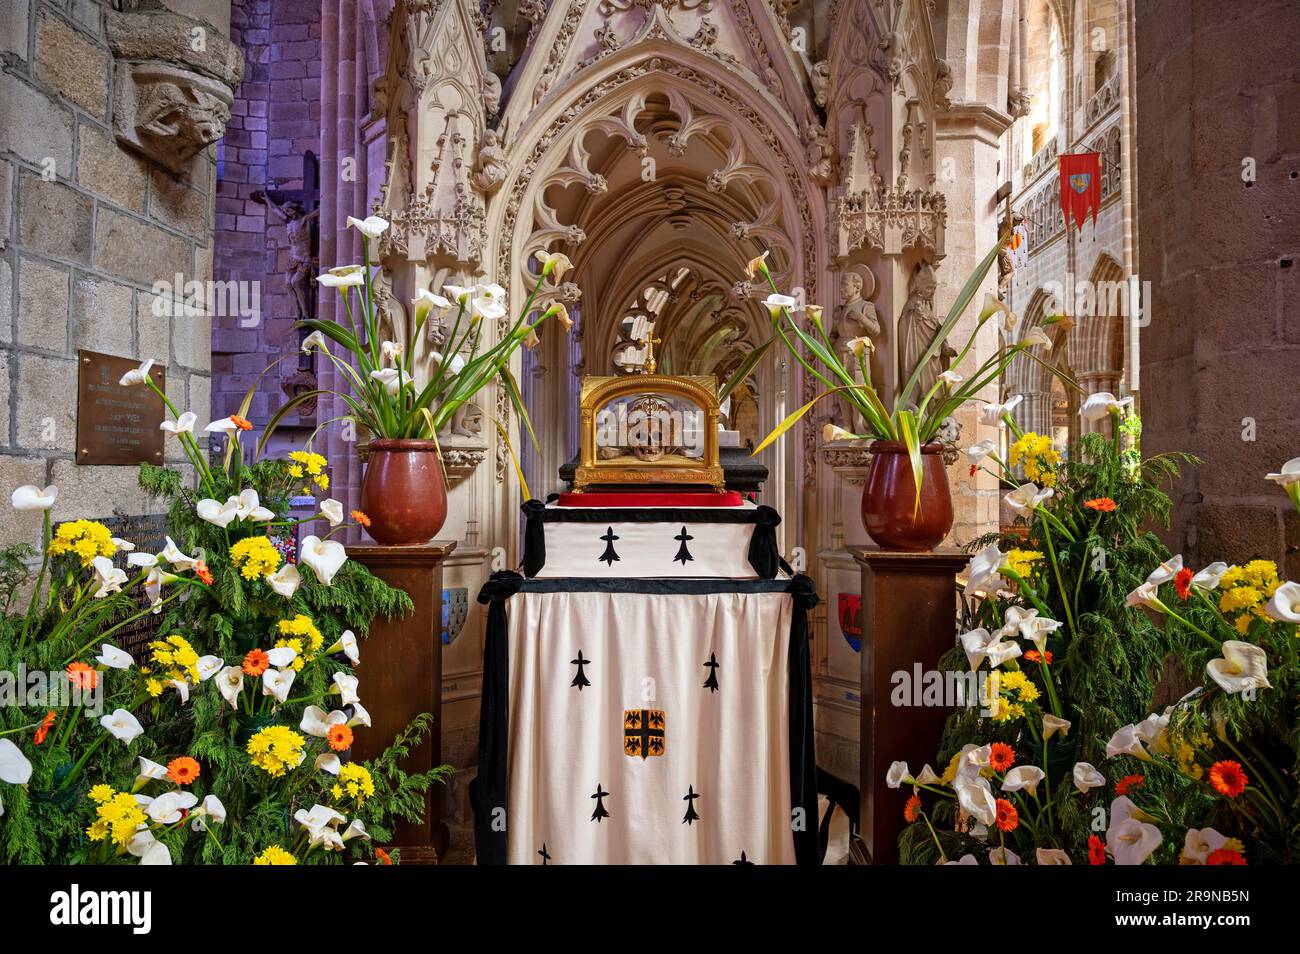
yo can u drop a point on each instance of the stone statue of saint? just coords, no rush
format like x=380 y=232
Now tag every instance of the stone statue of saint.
x=491 y=171
x=917 y=328
x=854 y=318
x=298 y=227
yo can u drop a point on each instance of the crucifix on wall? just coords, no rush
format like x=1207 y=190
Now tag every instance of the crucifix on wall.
x=299 y=211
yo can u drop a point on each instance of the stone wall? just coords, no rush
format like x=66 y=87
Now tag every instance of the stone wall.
x=275 y=119
x=1218 y=197
x=87 y=227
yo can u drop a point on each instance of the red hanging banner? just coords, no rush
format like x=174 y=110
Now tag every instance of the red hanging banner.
x=1080 y=186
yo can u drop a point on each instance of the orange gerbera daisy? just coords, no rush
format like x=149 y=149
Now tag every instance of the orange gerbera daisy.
x=1001 y=756
x=1045 y=657
x=383 y=856
x=43 y=729
x=361 y=518
x=1128 y=783
x=1183 y=583
x=339 y=736
x=1102 y=504
x=1224 y=856
x=241 y=422
x=912 y=810
x=256 y=662
x=1008 y=819
x=202 y=572
x=1228 y=778
x=1096 y=851
x=82 y=676
x=183 y=770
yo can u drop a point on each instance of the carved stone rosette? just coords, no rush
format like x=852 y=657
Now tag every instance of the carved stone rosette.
x=175 y=80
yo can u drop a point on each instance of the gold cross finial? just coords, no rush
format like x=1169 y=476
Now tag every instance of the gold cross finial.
x=649 y=340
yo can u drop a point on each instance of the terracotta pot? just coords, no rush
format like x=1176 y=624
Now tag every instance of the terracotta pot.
x=403 y=492
x=889 y=511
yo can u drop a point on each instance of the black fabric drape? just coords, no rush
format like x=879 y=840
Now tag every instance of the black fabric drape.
x=803 y=757
x=490 y=808
x=534 y=537
x=763 y=554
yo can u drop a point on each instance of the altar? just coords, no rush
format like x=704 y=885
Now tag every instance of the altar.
x=647 y=686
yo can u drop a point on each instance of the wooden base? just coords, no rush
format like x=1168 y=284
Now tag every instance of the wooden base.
x=401 y=677
x=909 y=620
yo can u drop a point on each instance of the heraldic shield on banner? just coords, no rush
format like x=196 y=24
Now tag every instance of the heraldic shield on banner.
x=1080 y=186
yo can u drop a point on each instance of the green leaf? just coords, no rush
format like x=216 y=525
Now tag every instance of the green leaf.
x=963 y=299
x=743 y=369
x=911 y=437
x=517 y=399
x=793 y=419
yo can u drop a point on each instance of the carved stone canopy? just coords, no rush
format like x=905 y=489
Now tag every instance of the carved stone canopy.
x=175 y=80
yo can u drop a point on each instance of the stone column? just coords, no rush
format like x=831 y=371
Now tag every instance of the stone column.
x=1217 y=199
x=968 y=135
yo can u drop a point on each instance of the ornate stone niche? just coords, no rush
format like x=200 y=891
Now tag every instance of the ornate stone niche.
x=175 y=80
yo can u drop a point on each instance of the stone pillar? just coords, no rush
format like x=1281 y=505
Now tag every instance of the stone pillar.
x=1217 y=200
x=967 y=142
x=106 y=189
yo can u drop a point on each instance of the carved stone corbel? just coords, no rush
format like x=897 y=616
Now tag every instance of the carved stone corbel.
x=175 y=80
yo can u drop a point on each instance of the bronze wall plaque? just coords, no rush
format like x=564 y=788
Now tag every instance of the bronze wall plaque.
x=116 y=424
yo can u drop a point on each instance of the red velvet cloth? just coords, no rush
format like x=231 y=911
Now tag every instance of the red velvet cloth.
x=729 y=498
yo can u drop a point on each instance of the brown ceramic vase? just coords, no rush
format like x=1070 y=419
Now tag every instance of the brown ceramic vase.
x=889 y=511
x=404 y=492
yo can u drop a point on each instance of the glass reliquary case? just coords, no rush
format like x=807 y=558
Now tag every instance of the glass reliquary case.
x=649 y=430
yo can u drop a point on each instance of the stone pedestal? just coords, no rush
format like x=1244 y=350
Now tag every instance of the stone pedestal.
x=401 y=673
x=909 y=613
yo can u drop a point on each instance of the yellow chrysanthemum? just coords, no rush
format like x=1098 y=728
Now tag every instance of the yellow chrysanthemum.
x=101 y=793
x=275 y=855
x=178 y=659
x=1022 y=561
x=255 y=557
x=276 y=750
x=1038 y=457
x=85 y=538
x=117 y=818
x=354 y=783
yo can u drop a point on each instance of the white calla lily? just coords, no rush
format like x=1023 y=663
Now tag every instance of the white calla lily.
x=1145 y=595
x=122 y=725
x=314 y=340
x=250 y=507
x=372 y=226
x=775 y=302
x=1288 y=476
x=898 y=774
x=356 y=829
x=1198 y=843
x=1096 y=406
x=1027 y=498
x=1208 y=579
x=150 y=771
x=29 y=497
x=976 y=800
x=359 y=716
x=178 y=560
x=281 y=656
x=1285 y=604
x=556 y=264
x=1036 y=338
x=108 y=578
x=1244 y=666
x=1131 y=842
x=1023 y=777
x=1003 y=856
x=143 y=560
x=316 y=722
x=346 y=686
x=156 y=854
x=114 y=658
x=992 y=414
x=137 y=376
x=209 y=666
x=230 y=682
x=1126 y=741
x=392 y=379
x=211 y=812
x=329 y=762
x=1052 y=856
x=980 y=644
x=982 y=572
x=978 y=451
x=166 y=809
x=1166 y=571
x=277 y=682
x=182 y=425
x=15 y=769
x=332 y=511
x=351 y=279
x=216 y=513
x=346 y=644
x=1054 y=724
x=285 y=581
x=1086 y=777
x=325 y=557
